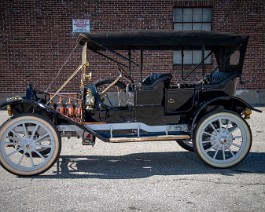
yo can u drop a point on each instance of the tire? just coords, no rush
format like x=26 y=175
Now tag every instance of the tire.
x=23 y=139
x=222 y=139
x=186 y=144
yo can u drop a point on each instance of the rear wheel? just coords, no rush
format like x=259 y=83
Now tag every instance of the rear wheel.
x=222 y=139
x=186 y=144
x=29 y=145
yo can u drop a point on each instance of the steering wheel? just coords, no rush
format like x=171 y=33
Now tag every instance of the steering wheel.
x=125 y=74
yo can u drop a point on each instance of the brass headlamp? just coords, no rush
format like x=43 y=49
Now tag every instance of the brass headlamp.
x=247 y=112
x=90 y=99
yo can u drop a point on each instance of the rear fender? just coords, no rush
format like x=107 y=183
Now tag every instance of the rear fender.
x=226 y=102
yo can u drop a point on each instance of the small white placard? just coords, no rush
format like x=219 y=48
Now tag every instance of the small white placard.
x=81 y=25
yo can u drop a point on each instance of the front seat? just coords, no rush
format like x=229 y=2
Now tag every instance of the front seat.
x=153 y=80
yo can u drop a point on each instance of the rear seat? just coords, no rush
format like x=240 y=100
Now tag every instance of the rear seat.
x=216 y=80
x=219 y=79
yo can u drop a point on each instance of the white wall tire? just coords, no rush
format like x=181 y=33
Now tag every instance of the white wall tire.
x=22 y=139
x=222 y=139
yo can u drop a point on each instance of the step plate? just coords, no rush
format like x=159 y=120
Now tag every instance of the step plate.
x=153 y=138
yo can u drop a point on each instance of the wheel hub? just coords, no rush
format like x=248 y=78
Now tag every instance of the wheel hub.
x=222 y=138
x=27 y=145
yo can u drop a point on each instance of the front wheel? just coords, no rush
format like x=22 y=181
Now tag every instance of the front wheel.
x=222 y=139
x=22 y=141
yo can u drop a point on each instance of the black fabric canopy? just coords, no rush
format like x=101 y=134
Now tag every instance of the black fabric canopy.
x=161 y=40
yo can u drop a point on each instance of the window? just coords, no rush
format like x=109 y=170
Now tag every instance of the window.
x=191 y=57
x=191 y=19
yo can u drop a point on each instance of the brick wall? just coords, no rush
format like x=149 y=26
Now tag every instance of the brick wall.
x=246 y=17
x=36 y=37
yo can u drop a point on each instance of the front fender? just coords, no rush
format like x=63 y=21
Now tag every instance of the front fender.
x=232 y=103
x=21 y=106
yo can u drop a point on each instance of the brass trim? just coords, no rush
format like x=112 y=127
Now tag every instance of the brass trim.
x=66 y=82
x=9 y=110
x=171 y=101
x=92 y=123
x=153 y=138
x=110 y=85
x=247 y=112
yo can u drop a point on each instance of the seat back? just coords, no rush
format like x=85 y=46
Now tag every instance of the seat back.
x=152 y=88
x=153 y=80
x=219 y=79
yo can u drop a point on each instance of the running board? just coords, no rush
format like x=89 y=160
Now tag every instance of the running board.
x=152 y=138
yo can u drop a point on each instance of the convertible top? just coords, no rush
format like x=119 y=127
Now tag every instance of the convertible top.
x=161 y=40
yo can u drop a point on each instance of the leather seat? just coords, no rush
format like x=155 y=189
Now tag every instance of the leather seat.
x=153 y=80
x=219 y=79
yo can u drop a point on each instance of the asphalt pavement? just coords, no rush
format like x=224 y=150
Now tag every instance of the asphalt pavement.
x=149 y=176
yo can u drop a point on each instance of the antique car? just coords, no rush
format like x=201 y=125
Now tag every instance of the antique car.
x=204 y=116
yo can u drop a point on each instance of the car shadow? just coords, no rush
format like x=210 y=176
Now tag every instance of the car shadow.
x=142 y=165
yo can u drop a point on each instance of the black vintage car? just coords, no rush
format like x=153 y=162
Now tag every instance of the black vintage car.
x=204 y=116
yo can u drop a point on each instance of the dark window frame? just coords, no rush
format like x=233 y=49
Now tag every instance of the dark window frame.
x=193 y=22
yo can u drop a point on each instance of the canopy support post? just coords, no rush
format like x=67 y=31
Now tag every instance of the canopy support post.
x=141 y=71
x=130 y=65
x=203 y=59
x=83 y=78
x=182 y=66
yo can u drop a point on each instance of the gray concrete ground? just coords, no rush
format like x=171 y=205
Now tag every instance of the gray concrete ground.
x=158 y=176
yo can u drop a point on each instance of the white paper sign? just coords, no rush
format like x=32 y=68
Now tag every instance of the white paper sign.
x=81 y=25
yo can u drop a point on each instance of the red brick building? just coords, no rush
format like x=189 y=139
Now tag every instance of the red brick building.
x=37 y=36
